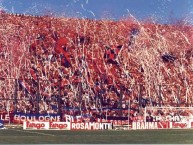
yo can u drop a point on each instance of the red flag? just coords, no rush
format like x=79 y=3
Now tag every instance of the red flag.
x=60 y=44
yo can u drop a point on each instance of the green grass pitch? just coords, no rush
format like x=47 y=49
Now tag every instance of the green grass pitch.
x=20 y=136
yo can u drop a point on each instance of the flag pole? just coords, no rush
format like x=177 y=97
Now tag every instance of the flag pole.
x=129 y=106
x=106 y=114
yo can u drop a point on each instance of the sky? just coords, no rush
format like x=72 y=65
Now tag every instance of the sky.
x=163 y=11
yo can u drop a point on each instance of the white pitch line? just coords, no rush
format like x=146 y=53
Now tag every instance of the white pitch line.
x=34 y=132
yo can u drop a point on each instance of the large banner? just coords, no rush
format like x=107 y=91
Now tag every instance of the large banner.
x=109 y=119
x=21 y=117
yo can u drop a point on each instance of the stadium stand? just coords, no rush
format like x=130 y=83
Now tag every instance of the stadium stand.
x=75 y=66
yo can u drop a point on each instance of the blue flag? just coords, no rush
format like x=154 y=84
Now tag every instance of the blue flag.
x=1 y=124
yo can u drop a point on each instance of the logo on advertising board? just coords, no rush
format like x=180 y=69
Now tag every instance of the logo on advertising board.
x=59 y=125
x=35 y=125
x=150 y=125
x=91 y=126
x=179 y=124
x=46 y=125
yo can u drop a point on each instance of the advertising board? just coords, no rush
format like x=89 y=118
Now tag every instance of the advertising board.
x=27 y=125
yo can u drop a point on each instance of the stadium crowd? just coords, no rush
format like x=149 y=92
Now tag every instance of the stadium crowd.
x=81 y=66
